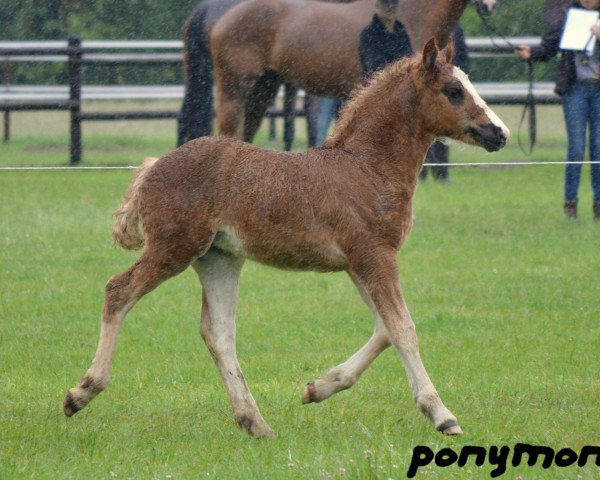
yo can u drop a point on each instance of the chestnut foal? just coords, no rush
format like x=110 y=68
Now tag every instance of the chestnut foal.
x=214 y=202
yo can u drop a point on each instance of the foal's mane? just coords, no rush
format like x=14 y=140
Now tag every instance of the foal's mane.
x=368 y=98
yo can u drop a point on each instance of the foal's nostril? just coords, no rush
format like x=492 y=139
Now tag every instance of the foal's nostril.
x=489 y=136
x=496 y=130
x=502 y=136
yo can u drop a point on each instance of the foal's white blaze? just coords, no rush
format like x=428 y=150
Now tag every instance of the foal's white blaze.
x=464 y=79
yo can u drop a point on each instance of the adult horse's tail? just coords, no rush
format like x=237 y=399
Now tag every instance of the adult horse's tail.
x=127 y=231
x=196 y=116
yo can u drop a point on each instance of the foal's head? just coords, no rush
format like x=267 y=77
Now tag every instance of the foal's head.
x=450 y=105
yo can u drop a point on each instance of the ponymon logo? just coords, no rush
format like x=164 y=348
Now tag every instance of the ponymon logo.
x=499 y=456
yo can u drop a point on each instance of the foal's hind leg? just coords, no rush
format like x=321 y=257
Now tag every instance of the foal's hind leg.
x=347 y=374
x=122 y=292
x=219 y=273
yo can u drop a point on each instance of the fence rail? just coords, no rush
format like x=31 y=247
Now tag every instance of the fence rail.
x=76 y=53
x=16 y=97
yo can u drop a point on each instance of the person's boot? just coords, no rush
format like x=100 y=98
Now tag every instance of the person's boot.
x=570 y=208
x=597 y=210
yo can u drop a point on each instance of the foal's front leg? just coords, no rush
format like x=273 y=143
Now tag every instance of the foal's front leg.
x=219 y=274
x=377 y=272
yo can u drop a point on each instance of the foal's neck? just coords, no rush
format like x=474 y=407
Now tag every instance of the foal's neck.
x=388 y=134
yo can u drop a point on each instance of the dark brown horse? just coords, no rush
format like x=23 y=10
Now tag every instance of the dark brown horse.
x=347 y=206
x=314 y=23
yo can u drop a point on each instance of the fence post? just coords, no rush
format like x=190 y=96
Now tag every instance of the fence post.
x=74 y=52
x=6 y=81
x=272 y=128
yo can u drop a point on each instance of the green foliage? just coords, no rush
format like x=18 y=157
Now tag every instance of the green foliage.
x=511 y=18
x=93 y=19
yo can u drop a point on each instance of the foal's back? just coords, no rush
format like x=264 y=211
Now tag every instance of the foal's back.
x=289 y=210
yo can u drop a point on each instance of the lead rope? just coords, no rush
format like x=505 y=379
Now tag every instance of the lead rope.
x=530 y=103
x=529 y=107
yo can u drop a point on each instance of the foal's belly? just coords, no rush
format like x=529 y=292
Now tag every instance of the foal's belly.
x=289 y=254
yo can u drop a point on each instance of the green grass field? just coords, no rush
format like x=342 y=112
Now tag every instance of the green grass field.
x=503 y=290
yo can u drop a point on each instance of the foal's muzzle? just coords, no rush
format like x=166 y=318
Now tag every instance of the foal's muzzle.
x=489 y=136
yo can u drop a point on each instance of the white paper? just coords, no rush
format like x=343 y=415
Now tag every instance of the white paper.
x=576 y=34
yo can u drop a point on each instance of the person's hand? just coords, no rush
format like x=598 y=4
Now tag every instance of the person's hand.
x=596 y=30
x=523 y=51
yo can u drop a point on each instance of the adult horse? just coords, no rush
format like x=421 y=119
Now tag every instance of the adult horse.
x=310 y=44
x=346 y=206
x=197 y=114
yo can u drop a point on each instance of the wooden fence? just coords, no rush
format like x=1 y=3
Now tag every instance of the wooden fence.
x=76 y=53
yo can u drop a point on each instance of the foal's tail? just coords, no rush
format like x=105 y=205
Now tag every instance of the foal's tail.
x=127 y=231
x=196 y=116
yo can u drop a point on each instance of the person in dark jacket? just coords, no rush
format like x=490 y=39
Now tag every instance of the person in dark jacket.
x=578 y=83
x=384 y=40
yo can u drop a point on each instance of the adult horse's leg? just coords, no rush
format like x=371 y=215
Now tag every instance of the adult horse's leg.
x=244 y=89
x=377 y=272
x=122 y=293
x=258 y=101
x=219 y=273
x=289 y=115
x=347 y=374
x=230 y=115
x=230 y=105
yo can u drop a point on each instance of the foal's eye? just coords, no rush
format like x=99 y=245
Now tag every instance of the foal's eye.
x=454 y=94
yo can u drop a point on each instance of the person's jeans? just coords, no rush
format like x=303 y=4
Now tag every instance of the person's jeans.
x=328 y=110
x=581 y=107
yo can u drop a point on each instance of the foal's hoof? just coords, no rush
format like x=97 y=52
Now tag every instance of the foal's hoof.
x=450 y=427
x=266 y=432
x=70 y=405
x=256 y=428
x=309 y=393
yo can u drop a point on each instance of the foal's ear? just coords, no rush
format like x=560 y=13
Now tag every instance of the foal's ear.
x=448 y=51
x=430 y=53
